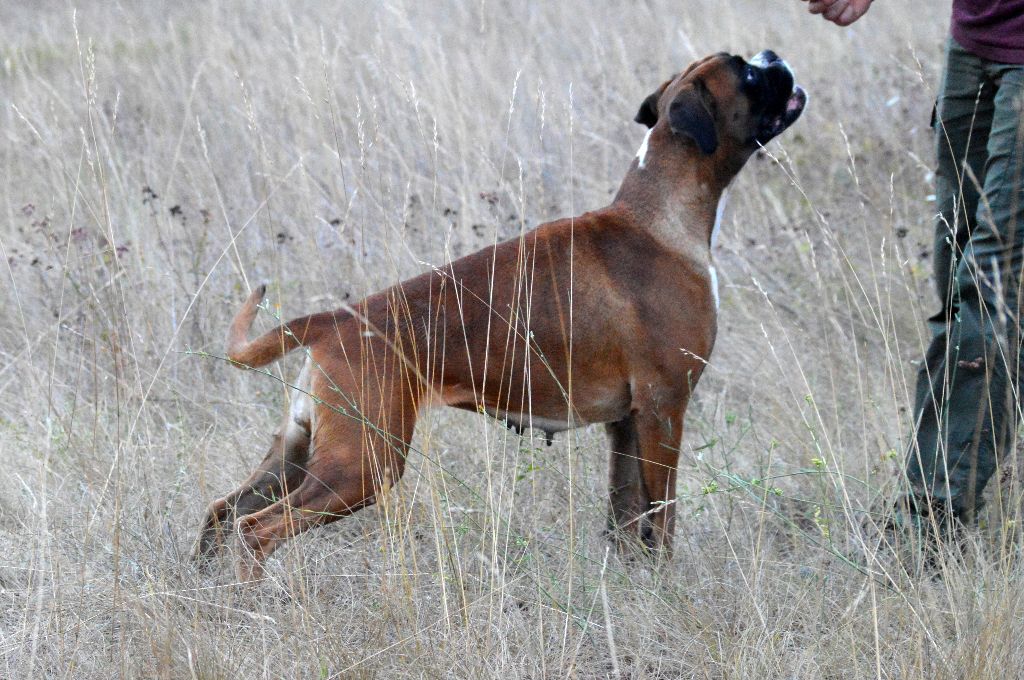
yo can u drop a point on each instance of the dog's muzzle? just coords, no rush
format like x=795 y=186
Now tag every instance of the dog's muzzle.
x=768 y=80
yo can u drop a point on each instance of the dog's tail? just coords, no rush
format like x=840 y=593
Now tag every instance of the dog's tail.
x=273 y=344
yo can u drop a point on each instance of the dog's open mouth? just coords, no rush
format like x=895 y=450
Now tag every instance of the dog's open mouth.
x=794 y=107
x=772 y=86
x=769 y=82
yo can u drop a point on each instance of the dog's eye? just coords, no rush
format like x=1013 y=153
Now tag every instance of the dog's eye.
x=751 y=76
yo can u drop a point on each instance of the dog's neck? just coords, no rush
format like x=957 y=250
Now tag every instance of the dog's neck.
x=672 y=191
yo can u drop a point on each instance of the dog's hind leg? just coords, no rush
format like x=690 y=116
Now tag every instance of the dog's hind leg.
x=354 y=459
x=627 y=494
x=282 y=469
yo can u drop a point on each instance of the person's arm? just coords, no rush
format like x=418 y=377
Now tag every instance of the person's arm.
x=839 y=12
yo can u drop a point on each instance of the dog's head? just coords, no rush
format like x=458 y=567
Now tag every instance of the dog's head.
x=725 y=104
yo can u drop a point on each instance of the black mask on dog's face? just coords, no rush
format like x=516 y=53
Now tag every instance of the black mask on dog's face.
x=768 y=83
x=769 y=101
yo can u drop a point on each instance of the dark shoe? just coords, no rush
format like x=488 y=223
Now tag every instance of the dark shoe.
x=913 y=536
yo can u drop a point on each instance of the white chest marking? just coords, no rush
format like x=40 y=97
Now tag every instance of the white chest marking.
x=641 y=153
x=714 y=284
x=719 y=211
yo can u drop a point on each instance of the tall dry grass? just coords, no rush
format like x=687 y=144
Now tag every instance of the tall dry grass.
x=156 y=160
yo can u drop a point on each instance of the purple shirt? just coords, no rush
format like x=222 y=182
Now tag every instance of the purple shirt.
x=991 y=29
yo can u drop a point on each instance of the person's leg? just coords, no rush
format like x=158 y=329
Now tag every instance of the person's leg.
x=983 y=403
x=963 y=117
x=976 y=413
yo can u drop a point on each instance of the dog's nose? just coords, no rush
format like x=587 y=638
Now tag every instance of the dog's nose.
x=764 y=59
x=768 y=60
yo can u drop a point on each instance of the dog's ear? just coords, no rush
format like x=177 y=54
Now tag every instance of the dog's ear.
x=689 y=116
x=648 y=113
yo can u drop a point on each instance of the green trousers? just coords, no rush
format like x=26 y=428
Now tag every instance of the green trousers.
x=966 y=406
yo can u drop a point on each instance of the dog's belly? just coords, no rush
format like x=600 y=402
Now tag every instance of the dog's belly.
x=590 y=404
x=521 y=421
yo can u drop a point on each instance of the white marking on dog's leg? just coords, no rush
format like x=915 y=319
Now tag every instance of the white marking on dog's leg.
x=301 y=407
x=714 y=284
x=719 y=211
x=641 y=153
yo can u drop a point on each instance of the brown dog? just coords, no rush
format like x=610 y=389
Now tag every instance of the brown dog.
x=608 y=317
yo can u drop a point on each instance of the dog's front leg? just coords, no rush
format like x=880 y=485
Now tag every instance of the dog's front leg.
x=659 y=433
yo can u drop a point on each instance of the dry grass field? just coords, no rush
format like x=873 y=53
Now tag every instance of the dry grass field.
x=158 y=159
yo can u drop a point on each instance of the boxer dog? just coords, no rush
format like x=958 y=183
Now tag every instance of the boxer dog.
x=608 y=317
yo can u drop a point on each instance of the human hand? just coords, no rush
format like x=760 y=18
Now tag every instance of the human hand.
x=839 y=12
